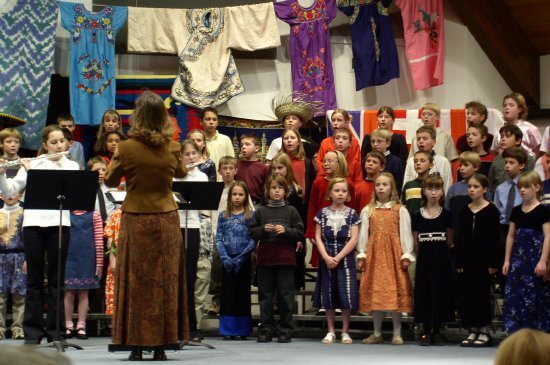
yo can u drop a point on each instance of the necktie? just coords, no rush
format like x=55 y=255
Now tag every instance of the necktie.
x=102 y=209
x=510 y=203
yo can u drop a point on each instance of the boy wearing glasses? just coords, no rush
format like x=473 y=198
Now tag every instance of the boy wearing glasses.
x=380 y=141
x=444 y=146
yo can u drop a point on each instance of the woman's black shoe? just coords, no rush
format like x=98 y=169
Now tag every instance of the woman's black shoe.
x=159 y=354
x=136 y=354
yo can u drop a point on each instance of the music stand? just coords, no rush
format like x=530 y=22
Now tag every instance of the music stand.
x=60 y=189
x=197 y=195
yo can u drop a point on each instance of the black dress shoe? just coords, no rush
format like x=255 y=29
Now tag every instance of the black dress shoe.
x=227 y=338
x=136 y=354
x=284 y=338
x=240 y=338
x=159 y=355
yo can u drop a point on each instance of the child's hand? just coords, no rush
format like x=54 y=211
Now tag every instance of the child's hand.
x=540 y=269
x=98 y=272
x=405 y=263
x=25 y=163
x=279 y=229
x=492 y=271
x=460 y=270
x=331 y=262
x=506 y=268
x=269 y=227
x=24 y=266
x=299 y=246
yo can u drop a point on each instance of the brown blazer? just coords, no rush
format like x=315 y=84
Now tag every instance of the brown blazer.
x=149 y=172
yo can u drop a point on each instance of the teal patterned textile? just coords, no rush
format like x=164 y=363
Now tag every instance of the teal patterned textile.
x=27 y=39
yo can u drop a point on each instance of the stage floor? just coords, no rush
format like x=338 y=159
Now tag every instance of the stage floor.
x=301 y=351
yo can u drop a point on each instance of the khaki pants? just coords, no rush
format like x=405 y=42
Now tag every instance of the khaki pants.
x=202 y=284
x=18 y=310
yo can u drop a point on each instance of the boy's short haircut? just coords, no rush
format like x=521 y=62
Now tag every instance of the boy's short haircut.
x=426 y=129
x=255 y=139
x=483 y=130
x=425 y=153
x=378 y=155
x=381 y=133
x=433 y=107
x=67 y=134
x=64 y=116
x=208 y=109
x=9 y=132
x=227 y=160
x=516 y=153
x=479 y=107
x=469 y=157
x=511 y=129
x=96 y=159
x=343 y=131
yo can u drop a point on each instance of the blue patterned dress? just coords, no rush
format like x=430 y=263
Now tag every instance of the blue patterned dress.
x=336 y=288
x=526 y=296
x=92 y=70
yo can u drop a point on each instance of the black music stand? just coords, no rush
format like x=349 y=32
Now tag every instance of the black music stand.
x=197 y=195
x=58 y=190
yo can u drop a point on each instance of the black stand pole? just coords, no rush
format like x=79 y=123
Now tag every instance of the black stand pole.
x=78 y=188
x=197 y=196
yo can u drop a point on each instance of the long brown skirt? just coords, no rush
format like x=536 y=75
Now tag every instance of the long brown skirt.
x=150 y=290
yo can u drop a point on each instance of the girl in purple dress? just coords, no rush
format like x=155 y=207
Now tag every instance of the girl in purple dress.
x=336 y=233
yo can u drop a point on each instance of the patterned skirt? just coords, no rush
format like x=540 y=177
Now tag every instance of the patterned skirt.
x=526 y=296
x=150 y=290
x=337 y=288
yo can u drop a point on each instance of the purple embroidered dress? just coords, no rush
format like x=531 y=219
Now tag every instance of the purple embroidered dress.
x=92 y=70
x=311 y=59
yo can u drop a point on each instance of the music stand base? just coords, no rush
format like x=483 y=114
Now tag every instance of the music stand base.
x=60 y=346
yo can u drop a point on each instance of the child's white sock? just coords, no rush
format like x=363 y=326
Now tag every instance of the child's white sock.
x=377 y=317
x=396 y=319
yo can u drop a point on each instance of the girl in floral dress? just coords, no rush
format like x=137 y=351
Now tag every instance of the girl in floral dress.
x=527 y=294
x=385 y=253
x=336 y=232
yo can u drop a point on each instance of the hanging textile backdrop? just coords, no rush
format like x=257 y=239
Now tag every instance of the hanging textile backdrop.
x=452 y=121
x=27 y=44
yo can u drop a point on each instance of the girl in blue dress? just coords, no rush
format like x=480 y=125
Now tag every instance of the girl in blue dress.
x=235 y=248
x=336 y=234
x=527 y=294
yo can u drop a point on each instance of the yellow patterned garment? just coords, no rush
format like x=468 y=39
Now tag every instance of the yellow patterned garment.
x=203 y=39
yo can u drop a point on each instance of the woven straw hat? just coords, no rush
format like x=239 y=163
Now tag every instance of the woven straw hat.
x=7 y=121
x=289 y=105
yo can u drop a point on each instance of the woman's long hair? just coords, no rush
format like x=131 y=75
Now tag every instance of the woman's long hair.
x=150 y=122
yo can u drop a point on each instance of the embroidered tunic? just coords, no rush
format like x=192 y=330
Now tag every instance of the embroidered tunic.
x=203 y=39
x=424 y=40
x=375 y=59
x=27 y=39
x=310 y=54
x=92 y=71
x=12 y=254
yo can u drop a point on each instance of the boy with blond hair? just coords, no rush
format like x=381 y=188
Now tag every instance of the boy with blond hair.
x=444 y=146
x=425 y=141
x=10 y=142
